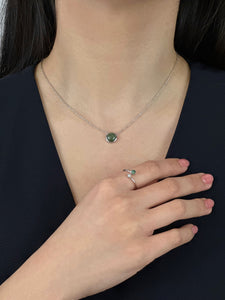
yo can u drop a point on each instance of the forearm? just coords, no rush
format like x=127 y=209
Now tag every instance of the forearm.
x=38 y=278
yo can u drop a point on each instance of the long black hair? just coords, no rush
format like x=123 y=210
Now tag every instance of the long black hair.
x=29 y=29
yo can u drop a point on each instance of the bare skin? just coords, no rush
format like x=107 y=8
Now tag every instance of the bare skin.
x=109 y=86
x=108 y=59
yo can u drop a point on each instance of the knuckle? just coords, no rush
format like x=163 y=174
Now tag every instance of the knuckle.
x=152 y=166
x=106 y=185
x=194 y=180
x=201 y=205
x=120 y=203
x=177 y=237
x=172 y=186
x=120 y=206
x=136 y=254
x=179 y=207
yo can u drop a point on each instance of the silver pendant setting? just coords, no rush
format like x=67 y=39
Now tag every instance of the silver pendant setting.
x=111 y=137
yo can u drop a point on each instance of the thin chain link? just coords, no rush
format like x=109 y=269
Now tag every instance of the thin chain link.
x=132 y=121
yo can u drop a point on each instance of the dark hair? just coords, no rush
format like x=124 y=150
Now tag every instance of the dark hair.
x=29 y=29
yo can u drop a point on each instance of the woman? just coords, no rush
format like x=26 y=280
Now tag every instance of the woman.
x=99 y=102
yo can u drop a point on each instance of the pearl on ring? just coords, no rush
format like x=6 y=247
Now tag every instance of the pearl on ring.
x=130 y=176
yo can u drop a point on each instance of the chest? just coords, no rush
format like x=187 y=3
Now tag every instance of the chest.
x=87 y=158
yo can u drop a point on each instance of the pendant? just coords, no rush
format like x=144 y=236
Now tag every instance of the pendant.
x=111 y=137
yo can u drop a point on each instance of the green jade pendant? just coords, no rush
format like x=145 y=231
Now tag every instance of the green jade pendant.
x=111 y=137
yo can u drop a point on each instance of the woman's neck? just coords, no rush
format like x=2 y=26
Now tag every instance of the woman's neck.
x=111 y=56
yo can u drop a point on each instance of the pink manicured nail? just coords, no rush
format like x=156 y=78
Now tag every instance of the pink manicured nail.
x=184 y=162
x=194 y=229
x=209 y=203
x=207 y=178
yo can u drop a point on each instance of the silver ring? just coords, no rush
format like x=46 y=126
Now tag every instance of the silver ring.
x=131 y=172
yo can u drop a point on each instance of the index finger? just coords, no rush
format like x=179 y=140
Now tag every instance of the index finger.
x=150 y=171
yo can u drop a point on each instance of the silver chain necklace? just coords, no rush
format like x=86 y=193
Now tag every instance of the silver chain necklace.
x=112 y=137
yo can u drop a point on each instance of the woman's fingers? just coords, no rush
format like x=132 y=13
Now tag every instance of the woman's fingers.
x=150 y=171
x=161 y=243
x=177 y=209
x=170 y=188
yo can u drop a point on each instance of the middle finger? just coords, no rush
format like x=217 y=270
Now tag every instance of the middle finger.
x=170 y=188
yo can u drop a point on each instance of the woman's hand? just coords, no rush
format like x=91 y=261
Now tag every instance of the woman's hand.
x=109 y=237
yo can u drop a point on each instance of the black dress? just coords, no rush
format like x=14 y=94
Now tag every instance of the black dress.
x=35 y=196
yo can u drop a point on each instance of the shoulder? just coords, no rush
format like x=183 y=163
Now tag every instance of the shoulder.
x=208 y=88
x=16 y=93
x=14 y=87
x=16 y=78
x=206 y=109
x=208 y=77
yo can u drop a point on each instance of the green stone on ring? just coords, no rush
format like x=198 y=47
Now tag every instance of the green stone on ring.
x=111 y=137
x=133 y=171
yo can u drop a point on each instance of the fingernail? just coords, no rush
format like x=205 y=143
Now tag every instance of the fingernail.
x=194 y=229
x=207 y=178
x=209 y=203
x=184 y=162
